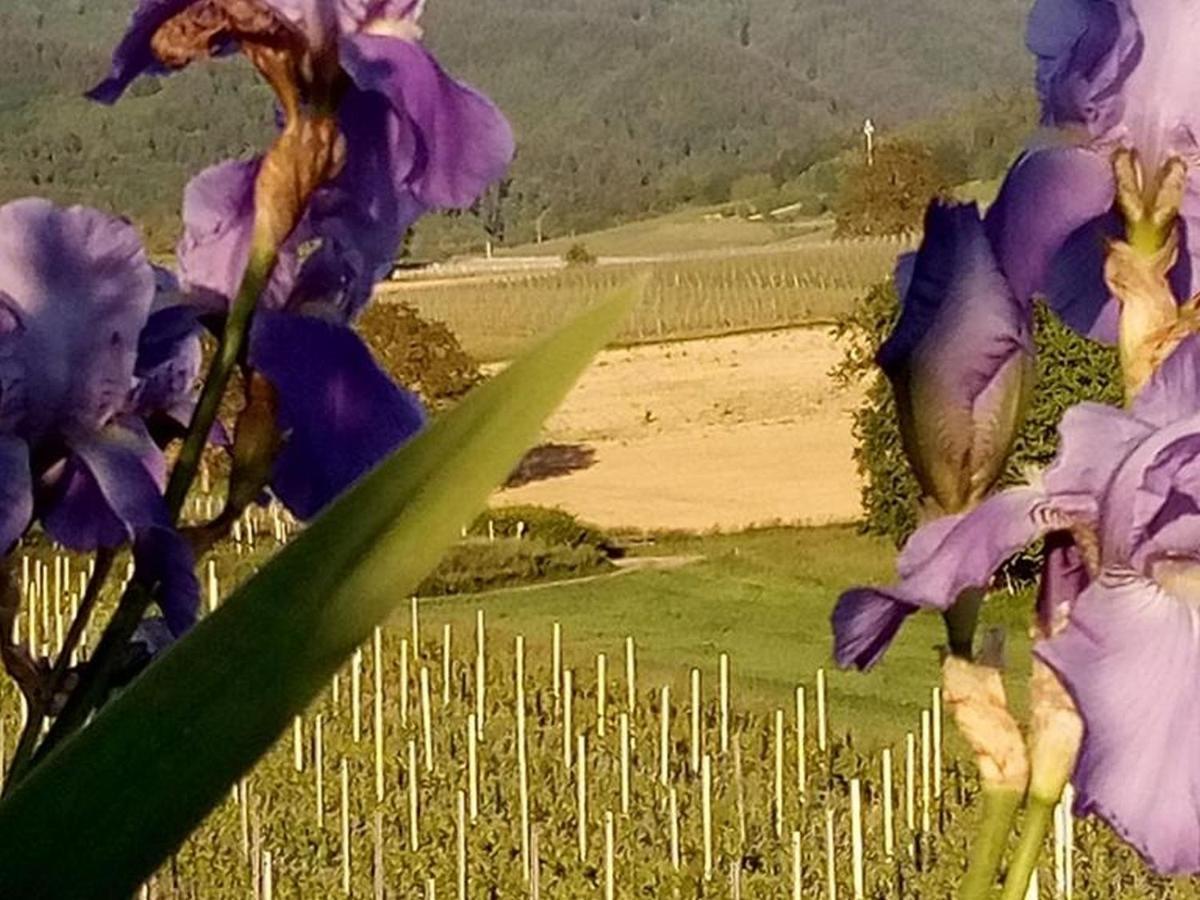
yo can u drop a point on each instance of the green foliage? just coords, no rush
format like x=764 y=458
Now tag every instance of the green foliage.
x=420 y=354
x=1070 y=370
x=579 y=255
x=551 y=526
x=204 y=713
x=888 y=194
x=482 y=565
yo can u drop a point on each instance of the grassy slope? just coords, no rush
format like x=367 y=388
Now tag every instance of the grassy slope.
x=764 y=597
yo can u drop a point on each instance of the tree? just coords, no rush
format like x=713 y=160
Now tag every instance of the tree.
x=890 y=196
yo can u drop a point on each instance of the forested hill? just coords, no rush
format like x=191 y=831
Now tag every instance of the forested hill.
x=621 y=106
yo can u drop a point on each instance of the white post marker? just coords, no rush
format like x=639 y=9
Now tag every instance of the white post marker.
x=581 y=794
x=937 y=743
x=473 y=766
x=214 y=590
x=801 y=748
x=926 y=740
x=416 y=630
x=522 y=760
x=356 y=696
x=319 y=767
x=462 y=847
x=889 y=823
x=695 y=748
x=268 y=877
x=480 y=672
x=601 y=691
x=345 y=831
x=706 y=800
x=568 y=734
x=609 y=874
x=830 y=863
x=822 y=720
x=624 y=729
x=426 y=723
x=664 y=735
x=404 y=681
x=779 y=774
x=556 y=658
x=630 y=678
x=446 y=664
x=856 y=839
x=910 y=777
x=796 y=880
x=413 y=800
x=298 y=744
x=377 y=710
x=724 y=690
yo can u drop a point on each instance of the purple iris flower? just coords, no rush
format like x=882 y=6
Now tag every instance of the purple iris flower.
x=1110 y=74
x=1120 y=606
x=75 y=294
x=960 y=359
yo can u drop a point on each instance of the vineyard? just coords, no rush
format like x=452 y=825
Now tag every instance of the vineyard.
x=443 y=763
x=804 y=284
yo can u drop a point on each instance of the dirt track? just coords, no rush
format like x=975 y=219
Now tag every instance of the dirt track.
x=722 y=433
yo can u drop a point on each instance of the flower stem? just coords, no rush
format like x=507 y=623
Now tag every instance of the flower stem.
x=1000 y=807
x=1038 y=816
x=96 y=677
x=23 y=754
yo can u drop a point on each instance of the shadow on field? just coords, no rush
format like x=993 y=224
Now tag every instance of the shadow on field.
x=548 y=461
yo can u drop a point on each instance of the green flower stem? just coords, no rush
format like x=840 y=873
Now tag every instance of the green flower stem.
x=1000 y=807
x=94 y=683
x=1038 y=816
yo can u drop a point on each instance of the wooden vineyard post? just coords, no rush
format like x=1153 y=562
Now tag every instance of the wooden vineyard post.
x=609 y=861
x=426 y=722
x=446 y=664
x=413 y=797
x=535 y=865
x=319 y=767
x=801 y=746
x=695 y=711
x=889 y=823
x=356 y=696
x=377 y=872
x=404 y=681
x=822 y=720
x=625 y=739
x=630 y=679
x=664 y=736
x=926 y=739
x=297 y=744
x=706 y=812
x=556 y=658
x=416 y=631
x=462 y=846
x=567 y=730
x=830 y=863
x=601 y=692
x=480 y=672
x=856 y=839
x=473 y=766
x=345 y=829
x=724 y=692
x=779 y=811
x=581 y=794
x=377 y=731
x=797 y=884
x=522 y=760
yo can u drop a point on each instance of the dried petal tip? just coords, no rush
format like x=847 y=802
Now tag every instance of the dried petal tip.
x=1056 y=733
x=975 y=695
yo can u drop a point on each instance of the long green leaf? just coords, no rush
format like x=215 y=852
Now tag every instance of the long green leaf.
x=105 y=809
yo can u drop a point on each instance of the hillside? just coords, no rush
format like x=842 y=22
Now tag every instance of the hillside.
x=621 y=106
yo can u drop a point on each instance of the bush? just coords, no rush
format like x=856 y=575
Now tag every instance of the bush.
x=579 y=255
x=1070 y=369
x=424 y=356
x=888 y=197
x=550 y=526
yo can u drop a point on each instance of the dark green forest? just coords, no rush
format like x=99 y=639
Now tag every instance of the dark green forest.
x=621 y=107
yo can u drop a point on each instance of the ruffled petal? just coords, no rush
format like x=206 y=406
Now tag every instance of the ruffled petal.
x=463 y=143
x=1130 y=657
x=110 y=489
x=1173 y=391
x=939 y=562
x=1047 y=197
x=78 y=286
x=218 y=223
x=960 y=359
x=340 y=413
x=133 y=56
x=165 y=562
x=1094 y=440
x=16 y=492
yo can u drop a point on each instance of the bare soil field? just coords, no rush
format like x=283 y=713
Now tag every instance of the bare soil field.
x=721 y=433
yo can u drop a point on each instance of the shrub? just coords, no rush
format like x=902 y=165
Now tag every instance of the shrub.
x=424 y=356
x=1070 y=369
x=889 y=196
x=481 y=565
x=579 y=255
x=550 y=526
